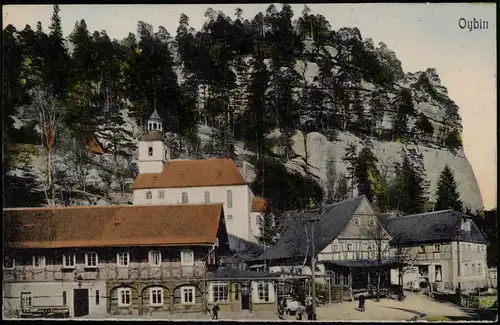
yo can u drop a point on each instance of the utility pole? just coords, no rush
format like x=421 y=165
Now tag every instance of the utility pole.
x=313 y=260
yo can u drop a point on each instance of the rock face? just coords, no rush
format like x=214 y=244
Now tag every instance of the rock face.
x=319 y=149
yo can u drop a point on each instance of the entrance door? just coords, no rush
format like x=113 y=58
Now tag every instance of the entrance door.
x=81 y=302
x=245 y=296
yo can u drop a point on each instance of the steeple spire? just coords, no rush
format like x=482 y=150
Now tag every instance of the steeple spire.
x=155 y=121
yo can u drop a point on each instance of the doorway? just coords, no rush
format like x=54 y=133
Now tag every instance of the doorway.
x=245 y=296
x=81 y=302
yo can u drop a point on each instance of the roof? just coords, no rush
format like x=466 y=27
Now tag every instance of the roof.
x=259 y=205
x=295 y=241
x=111 y=226
x=192 y=173
x=438 y=226
x=155 y=116
x=154 y=135
x=229 y=273
x=92 y=144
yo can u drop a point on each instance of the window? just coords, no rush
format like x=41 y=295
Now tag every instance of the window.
x=236 y=291
x=91 y=259
x=462 y=247
x=69 y=261
x=229 y=199
x=184 y=198
x=473 y=269
x=187 y=295
x=97 y=298
x=371 y=222
x=479 y=269
x=364 y=246
x=263 y=291
x=468 y=248
x=335 y=247
x=8 y=263
x=422 y=249
x=123 y=259
x=466 y=269
x=219 y=291
x=229 y=217
x=349 y=247
x=156 y=296
x=355 y=220
x=161 y=194
x=38 y=261
x=438 y=273
x=65 y=298
x=479 y=248
x=124 y=297
x=155 y=258
x=187 y=257
x=26 y=299
x=207 y=197
x=150 y=151
x=437 y=247
x=154 y=126
x=149 y=195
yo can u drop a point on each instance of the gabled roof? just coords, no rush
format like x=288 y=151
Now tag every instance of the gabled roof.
x=119 y=225
x=192 y=173
x=259 y=205
x=296 y=241
x=438 y=226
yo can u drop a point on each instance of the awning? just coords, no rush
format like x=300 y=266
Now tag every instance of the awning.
x=356 y=263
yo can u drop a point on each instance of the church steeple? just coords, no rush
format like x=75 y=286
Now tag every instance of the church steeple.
x=155 y=122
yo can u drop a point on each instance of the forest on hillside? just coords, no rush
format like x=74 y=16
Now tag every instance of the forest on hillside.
x=235 y=75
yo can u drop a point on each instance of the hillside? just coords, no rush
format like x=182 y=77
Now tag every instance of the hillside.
x=245 y=89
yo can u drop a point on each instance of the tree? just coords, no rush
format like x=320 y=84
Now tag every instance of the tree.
x=378 y=239
x=267 y=228
x=447 y=194
x=46 y=111
x=365 y=170
x=331 y=179
x=350 y=158
x=408 y=190
x=403 y=258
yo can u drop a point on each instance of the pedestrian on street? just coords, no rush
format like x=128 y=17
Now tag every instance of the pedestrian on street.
x=281 y=308
x=299 y=311
x=362 y=303
x=309 y=311
x=215 y=311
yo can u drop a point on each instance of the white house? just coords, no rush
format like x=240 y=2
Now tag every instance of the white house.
x=164 y=181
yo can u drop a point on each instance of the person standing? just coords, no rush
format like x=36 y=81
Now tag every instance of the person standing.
x=281 y=308
x=298 y=312
x=215 y=311
x=309 y=311
x=362 y=302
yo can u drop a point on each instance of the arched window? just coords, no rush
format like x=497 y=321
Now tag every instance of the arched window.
x=150 y=151
x=207 y=197
x=149 y=196
x=154 y=126
x=184 y=198
x=229 y=199
x=149 y=126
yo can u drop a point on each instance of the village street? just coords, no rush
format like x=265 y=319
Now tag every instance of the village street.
x=385 y=309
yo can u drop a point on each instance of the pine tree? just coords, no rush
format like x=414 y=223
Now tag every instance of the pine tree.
x=447 y=194
x=350 y=159
x=408 y=190
x=268 y=229
x=331 y=179
x=364 y=170
x=57 y=58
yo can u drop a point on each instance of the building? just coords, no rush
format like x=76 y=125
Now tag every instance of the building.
x=101 y=260
x=449 y=248
x=164 y=181
x=348 y=242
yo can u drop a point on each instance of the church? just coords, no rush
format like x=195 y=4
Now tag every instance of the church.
x=163 y=181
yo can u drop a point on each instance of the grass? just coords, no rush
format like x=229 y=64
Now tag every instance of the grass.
x=487 y=301
x=436 y=318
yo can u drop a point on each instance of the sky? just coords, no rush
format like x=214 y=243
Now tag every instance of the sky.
x=422 y=36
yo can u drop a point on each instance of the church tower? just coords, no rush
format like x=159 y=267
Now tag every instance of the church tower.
x=153 y=151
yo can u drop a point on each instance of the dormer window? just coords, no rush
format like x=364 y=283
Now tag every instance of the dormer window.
x=466 y=225
x=150 y=151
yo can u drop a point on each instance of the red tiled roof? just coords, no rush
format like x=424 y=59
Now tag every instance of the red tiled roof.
x=98 y=226
x=192 y=173
x=92 y=144
x=259 y=205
